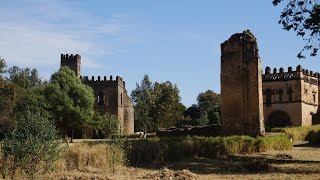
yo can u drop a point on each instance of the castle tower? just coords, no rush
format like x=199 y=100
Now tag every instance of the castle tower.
x=72 y=61
x=241 y=86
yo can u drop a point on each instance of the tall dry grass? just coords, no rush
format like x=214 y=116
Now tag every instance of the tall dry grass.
x=100 y=157
x=304 y=133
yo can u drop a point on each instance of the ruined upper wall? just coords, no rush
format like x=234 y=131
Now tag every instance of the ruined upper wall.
x=240 y=42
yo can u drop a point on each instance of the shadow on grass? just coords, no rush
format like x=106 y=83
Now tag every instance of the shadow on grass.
x=241 y=165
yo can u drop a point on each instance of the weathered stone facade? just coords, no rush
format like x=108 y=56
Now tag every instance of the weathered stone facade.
x=291 y=98
x=241 y=86
x=111 y=94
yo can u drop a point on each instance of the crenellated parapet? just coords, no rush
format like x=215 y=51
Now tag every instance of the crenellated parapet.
x=282 y=75
x=103 y=81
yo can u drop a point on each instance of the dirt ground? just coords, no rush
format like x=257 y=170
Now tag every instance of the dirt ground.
x=303 y=162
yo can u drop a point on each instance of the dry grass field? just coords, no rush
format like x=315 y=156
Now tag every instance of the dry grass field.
x=303 y=162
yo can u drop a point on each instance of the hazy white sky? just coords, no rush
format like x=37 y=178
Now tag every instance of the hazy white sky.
x=176 y=40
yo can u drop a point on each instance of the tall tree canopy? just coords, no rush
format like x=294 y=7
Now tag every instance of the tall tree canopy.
x=206 y=111
x=24 y=77
x=157 y=105
x=69 y=100
x=303 y=17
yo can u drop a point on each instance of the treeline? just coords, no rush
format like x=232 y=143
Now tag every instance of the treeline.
x=64 y=100
x=158 y=105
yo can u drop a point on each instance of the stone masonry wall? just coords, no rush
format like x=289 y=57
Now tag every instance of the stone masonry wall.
x=241 y=86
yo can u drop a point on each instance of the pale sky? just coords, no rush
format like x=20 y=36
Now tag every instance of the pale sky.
x=175 y=40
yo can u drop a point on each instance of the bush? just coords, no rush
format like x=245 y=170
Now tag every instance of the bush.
x=172 y=149
x=32 y=146
x=299 y=133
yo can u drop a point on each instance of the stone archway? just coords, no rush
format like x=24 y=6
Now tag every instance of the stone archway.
x=277 y=119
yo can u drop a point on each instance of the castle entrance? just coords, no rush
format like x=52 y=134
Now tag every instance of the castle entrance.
x=277 y=119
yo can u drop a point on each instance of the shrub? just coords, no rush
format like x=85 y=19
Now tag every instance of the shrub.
x=172 y=149
x=32 y=146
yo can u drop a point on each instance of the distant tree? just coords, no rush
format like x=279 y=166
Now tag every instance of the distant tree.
x=303 y=17
x=143 y=100
x=209 y=102
x=24 y=78
x=70 y=102
x=194 y=113
x=167 y=109
x=7 y=103
x=3 y=66
x=157 y=105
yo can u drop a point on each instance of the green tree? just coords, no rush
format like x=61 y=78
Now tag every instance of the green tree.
x=209 y=103
x=157 y=105
x=70 y=102
x=3 y=66
x=32 y=146
x=303 y=17
x=33 y=101
x=24 y=78
x=167 y=109
x=108 y=124
x=143 y=100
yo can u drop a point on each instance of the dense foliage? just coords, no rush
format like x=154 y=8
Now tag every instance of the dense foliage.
x=303 y=17
x=70 y=102
x=206 y=111
x=32 y=143
x=157 y=105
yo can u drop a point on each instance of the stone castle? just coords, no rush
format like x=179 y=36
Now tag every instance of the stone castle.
x=290 y=98
x=252 y=102
x=111 y=94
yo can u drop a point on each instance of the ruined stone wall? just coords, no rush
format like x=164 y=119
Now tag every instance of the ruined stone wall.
x=241 y=86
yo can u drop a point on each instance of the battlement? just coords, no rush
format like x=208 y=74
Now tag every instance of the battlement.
x=103 y=82
x=283 y=75
x=67 y=57
x=72 y=61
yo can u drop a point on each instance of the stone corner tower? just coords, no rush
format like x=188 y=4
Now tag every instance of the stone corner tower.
x=241 y=86
x=72 y=61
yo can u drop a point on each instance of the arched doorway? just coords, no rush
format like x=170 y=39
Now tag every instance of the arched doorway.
x=277 y=119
